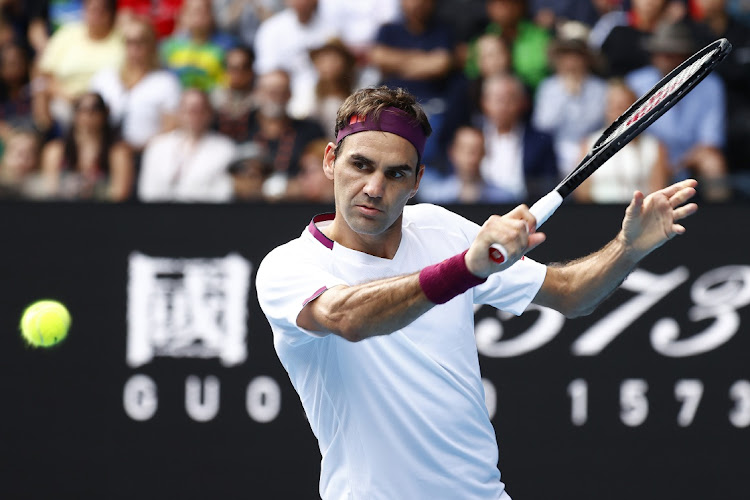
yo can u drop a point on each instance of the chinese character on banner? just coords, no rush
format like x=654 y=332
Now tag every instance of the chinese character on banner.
x=195 y=308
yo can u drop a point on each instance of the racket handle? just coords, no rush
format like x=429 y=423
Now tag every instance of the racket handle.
x=541 y=210
x=498 y=253
x=546 y=206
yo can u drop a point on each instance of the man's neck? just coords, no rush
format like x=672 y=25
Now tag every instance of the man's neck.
x=200 y=36
x=193 y=137
x=416 y=26
x=506 y=128
x=384 y=245
x=98 y=33
x=305 y=17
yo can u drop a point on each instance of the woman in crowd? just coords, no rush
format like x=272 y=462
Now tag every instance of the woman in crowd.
x=142 y=99
x=19 y=167
x=335 y=66
x=641 y=165
x=74 y=54
x=90 y=163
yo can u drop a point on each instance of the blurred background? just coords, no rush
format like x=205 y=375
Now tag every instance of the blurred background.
x=233 y=100
x=152 y=152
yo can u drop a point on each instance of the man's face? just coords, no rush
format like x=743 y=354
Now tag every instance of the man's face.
x=374 y=177
x=571 y=63
x=273 y=94
x=503 y=103
x=13 y=65
x=239 y=70
x=505 y=12
x=417 y=10
x=138 y=47
x=97 y=15
x=467 y=152
x=197 y=15
x=195 y=112
x=494 y=56
x=648 y=9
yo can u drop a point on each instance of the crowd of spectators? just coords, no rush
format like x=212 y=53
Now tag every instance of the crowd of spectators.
x=235 y=100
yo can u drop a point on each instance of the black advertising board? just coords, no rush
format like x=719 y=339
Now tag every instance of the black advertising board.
x=168 y=385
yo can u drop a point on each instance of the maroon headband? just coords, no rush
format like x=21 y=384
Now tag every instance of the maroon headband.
x=393 y=120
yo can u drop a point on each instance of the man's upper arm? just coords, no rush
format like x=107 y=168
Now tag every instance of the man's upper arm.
x=289 y=288
x=552 y=291
x=312 y=316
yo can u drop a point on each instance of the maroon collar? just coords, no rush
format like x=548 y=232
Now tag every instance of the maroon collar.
x=317 y=233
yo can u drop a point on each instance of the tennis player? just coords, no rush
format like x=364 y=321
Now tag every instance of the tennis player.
x=372 y=309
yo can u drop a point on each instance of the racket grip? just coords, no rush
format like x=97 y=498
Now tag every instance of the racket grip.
x=546 y=206
x=498 y=253
x=541 y=210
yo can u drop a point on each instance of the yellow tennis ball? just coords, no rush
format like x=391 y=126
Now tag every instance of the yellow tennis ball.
x=45 y=323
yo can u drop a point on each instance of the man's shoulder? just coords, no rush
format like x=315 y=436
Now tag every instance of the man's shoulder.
x=277 y=22
x=421 y=211
x=288 y=257
x=105 y=79
x=220 y=142
x=162 y=140
x=438 y=227
x=162 y=80
x=428 y=215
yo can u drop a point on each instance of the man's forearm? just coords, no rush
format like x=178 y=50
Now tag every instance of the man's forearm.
x=361 y=311
x=385 y=306
x=412 y=63
x=576 y=288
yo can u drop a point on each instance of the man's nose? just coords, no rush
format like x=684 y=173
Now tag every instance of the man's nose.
x=375 y=185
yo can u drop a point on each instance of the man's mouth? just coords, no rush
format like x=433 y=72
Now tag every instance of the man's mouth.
x=368 y=210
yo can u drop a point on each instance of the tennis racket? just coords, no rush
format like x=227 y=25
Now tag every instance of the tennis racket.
x=657 y=101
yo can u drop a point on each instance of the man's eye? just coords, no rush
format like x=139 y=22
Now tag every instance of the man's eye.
x=397 y=174
x=359 y=165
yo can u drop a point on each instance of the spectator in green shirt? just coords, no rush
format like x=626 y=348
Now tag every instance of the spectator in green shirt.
x=196 y=52
x=527 y=40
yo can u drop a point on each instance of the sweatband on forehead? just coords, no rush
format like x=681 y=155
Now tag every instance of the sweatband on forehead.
x=393 y=120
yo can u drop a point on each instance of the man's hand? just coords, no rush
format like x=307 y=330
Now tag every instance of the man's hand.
x=652 y=221
x=515 y=231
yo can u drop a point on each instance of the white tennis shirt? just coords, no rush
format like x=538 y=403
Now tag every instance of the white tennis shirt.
x=400 y=416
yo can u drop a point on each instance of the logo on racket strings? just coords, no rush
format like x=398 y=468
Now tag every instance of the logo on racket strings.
x=660 y=95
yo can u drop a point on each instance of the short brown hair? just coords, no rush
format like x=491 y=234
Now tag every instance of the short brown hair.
x=372 y=100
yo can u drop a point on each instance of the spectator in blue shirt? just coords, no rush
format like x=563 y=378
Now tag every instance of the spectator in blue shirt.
x=417 y=54
x=694 y=131
x=466 y=185
x=570 y=104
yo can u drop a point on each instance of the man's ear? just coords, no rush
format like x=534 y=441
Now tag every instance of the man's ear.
x=329 y=157
x=420 y=173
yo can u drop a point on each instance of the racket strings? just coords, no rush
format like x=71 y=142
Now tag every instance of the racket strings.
x=665 y=94
x=672 y=87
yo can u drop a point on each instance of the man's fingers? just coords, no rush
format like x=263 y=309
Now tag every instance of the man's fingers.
x=521 y=212
x=681 y=196
x=670 y=191
x=636 y=204
x=682 y=212
x=678 y=229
